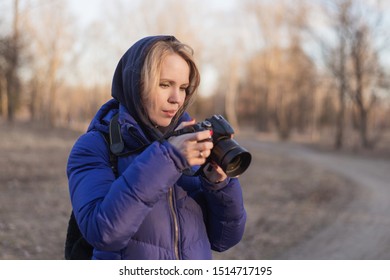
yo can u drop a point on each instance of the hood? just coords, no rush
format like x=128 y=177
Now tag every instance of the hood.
x=126 y=84
x=102 y=118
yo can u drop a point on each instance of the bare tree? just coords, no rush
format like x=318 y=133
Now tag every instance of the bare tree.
x=336 y=59
x=281 y=76
x=231 y=95
x=261 y=79
x=353 y=62
x=50 y=42
x=366 y=71
x=10 y=49
x=3 y=63
x=152 y=18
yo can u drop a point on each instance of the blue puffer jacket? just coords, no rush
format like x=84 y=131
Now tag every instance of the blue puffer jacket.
x=151 y=210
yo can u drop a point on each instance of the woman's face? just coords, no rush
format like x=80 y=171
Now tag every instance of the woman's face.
x=165 y=100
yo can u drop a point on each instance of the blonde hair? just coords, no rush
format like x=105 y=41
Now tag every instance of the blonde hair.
x=150 y=72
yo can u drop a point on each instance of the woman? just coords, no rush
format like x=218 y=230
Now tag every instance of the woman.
x=151 y=210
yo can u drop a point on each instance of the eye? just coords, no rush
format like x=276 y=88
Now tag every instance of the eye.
x=183 y=88
x=164 y=85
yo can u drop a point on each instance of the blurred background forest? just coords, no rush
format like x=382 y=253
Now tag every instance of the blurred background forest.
x=319 y=69
x=302 y=70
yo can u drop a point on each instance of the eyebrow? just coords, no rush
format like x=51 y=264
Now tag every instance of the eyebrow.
x=172 y=81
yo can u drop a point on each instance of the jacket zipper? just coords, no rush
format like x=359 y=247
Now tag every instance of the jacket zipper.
x=175 y=224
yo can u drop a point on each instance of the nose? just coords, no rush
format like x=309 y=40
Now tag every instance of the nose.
x=175 y=95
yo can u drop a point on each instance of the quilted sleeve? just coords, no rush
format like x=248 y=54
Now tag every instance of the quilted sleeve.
x=226 y=215
x=109 y=210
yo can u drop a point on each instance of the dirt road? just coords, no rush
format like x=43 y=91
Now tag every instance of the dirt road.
x=362 y=229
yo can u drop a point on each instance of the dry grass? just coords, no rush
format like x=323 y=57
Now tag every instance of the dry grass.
x=34 y=205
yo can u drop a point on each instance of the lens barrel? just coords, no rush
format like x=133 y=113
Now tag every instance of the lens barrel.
x=231 y=157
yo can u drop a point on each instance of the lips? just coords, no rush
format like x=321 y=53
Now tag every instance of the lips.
x=169 y=113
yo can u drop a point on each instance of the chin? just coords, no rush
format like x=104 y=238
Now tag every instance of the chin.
x=164 y=123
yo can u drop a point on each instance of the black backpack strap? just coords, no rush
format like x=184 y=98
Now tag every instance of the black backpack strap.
x=116 y=142
x=113 y=157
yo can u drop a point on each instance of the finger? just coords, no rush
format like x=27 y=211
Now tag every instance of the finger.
x=201 y=136
x=184 y=124
x=204 y=154
x=214 y=172
x=196 y=160
x=196 y=136
x=204 y=146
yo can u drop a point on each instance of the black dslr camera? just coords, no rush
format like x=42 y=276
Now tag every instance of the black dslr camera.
x=227 y=153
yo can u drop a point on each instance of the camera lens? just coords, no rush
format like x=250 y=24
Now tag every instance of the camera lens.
x=236 y=162
x=232 y=158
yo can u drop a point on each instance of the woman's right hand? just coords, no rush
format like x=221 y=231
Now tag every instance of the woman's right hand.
x=195 y=147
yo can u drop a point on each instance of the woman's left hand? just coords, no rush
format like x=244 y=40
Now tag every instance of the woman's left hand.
x=214 y=172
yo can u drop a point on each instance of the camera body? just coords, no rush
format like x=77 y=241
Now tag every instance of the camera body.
x=220 y=127
x=227 y=153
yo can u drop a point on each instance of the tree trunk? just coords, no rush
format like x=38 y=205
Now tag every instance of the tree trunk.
x=338 y=144
x=230 y=100
x=12 y=75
